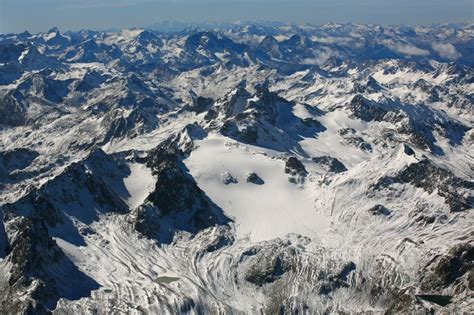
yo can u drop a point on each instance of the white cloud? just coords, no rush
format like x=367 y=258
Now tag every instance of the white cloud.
x=447 y=51
x=405 y=49
x=333 y=40
x=321 y=57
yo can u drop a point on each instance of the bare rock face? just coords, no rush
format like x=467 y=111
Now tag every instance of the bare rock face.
x=91 y=80
x=365 y=109
x=445 y=283
x=330 y=164
x=3 y=239
x=262 y=118
x=176 y=200
x=296 y=170
x=350 y=137
x=37 y=265
x=12 y=110
x=338 y=280
x=418 y=123
x=166 y=165
x=430 y=177
x=267 y=264
x=85 y=180
x=146 y=221
x=14 y=161
x=407 y=150
x=454 y=270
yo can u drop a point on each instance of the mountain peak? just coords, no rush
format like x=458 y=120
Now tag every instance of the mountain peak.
x=53 y=30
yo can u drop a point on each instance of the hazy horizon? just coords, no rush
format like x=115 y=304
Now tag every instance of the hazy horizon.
x=42 y=15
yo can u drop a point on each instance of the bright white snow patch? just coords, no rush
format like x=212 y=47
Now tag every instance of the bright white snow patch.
x=139 y=184
x=261 y=212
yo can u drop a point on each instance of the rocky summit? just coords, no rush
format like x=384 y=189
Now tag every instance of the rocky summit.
x=245 y=169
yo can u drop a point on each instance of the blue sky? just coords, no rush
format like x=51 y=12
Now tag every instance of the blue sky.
x=41 y=15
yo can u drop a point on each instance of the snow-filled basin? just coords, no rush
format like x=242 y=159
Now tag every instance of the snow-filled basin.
x=261 y=212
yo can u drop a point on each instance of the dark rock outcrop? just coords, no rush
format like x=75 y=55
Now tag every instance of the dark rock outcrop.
x=446 y=281
x=418 y=123
x=335 y=281
x=176 y=200
x=14 y=161
x=366 y=110
x=39 y=267
x=379 y=210
x=264 y=119
x=12 y=110
x=146 y=221
x=330 y=164
x=82 y=190
x=202 y=104
x=430 y=177
x=296 y=170
x=407 y=150
x=227 y=178
x=267 y=264
x=91 y=80
x=254 y=179
x=350 y=137
x=454 y=269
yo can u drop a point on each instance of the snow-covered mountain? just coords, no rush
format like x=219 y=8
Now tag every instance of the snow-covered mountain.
x=244 y=169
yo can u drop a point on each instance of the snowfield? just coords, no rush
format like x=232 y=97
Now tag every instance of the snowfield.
x=261 y=212
x=139 y=184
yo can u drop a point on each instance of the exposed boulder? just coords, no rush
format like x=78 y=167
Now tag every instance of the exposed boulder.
x=379 y=210
x=227 y=178
x=253 y=178
x=407 y=150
